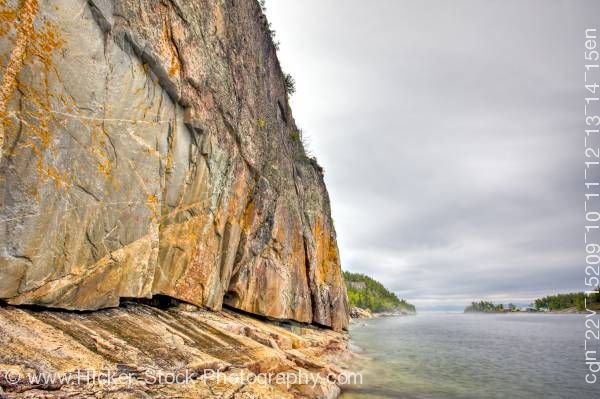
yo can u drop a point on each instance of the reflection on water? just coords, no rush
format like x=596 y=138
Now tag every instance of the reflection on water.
x=448 y=356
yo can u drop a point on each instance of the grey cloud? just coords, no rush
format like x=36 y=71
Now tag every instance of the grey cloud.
x=450 y=134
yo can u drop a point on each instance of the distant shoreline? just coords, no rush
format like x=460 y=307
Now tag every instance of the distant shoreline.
x=564 y=311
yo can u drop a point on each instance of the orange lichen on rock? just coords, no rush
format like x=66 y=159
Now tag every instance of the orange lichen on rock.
x=327 y=252
x=24 y=34
x=31 y=46
x=168 y=45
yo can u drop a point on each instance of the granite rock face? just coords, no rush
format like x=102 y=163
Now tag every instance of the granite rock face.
x=149 y=148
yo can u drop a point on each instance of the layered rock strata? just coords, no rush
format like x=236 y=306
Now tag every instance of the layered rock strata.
x=138 y=351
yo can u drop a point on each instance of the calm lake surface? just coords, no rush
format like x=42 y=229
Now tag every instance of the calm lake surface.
x=449 y=356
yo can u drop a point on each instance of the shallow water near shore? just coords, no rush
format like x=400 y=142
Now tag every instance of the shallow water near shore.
x=456 y=356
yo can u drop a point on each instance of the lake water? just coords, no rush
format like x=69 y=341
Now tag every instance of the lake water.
x=450 y=356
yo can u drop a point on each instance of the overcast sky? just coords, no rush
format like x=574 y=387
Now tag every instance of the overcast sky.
x=450 y=134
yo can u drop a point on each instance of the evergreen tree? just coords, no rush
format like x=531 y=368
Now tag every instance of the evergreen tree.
x=366 y=293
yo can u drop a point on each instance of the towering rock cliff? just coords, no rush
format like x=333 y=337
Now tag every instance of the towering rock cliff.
x=149 y=148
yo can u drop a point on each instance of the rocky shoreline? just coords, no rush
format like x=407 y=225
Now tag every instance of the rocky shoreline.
x=360 y=313
x=138 y=350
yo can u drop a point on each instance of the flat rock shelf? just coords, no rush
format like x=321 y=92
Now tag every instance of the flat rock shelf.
x=57 y=354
